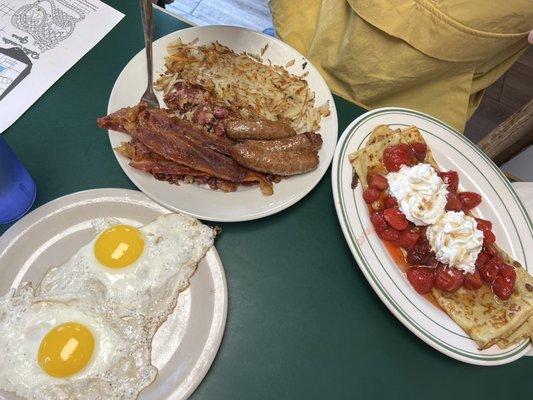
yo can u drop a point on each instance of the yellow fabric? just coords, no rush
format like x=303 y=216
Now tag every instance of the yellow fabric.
x=436 y=56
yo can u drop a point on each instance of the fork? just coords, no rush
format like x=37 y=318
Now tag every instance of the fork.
x=149 y=96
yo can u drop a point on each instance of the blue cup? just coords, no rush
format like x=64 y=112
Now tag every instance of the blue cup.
x=17 y=188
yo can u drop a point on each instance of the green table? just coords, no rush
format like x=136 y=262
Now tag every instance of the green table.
x=302 y=320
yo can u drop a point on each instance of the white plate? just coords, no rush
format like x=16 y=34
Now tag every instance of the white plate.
x=201 y=202
x=512 y=227
x=186 y=344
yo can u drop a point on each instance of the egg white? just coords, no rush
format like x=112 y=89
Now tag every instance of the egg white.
x=174 y=244
x=120 y=346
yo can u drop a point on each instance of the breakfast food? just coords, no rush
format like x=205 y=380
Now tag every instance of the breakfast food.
x=173 y=149
x=205 y=79
x=219 y=104
x=54 y=350
x=283 y=157
x=429 y=227
x=133 y=271
x=258 y=129
x=86 y=331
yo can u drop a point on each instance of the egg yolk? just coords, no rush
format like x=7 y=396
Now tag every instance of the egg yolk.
x=65 y=350
x=119 y=246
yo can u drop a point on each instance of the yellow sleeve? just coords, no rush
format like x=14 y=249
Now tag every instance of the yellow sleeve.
x=296 y=21
x=436 y=57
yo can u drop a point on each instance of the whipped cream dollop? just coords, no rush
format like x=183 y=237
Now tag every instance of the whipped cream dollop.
x=456 y=240
x=420 y=192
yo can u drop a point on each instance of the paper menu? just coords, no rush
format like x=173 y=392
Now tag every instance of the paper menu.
x=39 y=41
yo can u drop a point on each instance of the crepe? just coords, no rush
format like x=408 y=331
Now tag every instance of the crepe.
x=370 y=157
x=523 y=332
x=487 y=319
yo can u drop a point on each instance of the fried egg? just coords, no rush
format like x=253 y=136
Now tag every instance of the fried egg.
x=133 y=271
x=54 y=350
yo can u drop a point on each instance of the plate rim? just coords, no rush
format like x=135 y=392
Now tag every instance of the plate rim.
x=246 y=216
x=385 y=297
x=24 y=225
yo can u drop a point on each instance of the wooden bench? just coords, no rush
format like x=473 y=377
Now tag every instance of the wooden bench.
x=512 y=136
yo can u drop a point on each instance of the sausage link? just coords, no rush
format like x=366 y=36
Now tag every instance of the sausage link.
x=304 y=141
x=258 y=156
x=258 y=129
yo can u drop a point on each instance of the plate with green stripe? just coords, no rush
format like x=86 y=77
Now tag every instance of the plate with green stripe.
x=501 y=205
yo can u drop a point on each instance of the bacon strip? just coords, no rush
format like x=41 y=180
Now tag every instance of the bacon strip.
x=160 y=120
x=145 y=160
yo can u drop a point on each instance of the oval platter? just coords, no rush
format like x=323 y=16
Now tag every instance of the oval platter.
x=501 y=204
